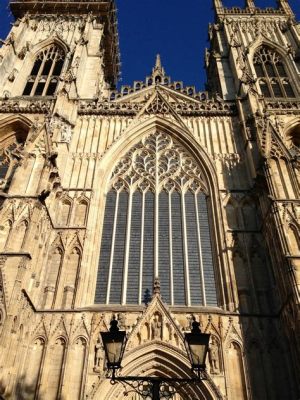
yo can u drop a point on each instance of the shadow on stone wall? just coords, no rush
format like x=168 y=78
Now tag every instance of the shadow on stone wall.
x=22 y=392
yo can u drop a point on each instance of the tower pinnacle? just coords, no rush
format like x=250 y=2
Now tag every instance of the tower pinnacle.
x=284 y=5
x=158 y=71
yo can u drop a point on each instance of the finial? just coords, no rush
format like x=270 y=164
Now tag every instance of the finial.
x=158 y=62
x=158 y=71
x=156 y=287
x=114 y=325
x=195 y=326
x=250 y=4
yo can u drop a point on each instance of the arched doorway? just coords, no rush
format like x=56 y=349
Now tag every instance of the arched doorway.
x=157 y=360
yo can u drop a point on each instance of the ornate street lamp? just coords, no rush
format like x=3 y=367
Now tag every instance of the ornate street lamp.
x=196 y=344
x=154 y=388
x=114 y=343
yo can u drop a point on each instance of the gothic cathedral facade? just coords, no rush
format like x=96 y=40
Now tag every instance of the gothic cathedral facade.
x=106 y=194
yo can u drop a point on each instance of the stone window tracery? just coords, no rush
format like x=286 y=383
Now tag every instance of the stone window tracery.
x=272 y=74
x=156 y=224
x=9 y=155
x=45 y=73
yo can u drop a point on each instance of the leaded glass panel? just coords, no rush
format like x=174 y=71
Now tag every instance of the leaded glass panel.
x=156 y=224
x=106 y=248
x=119 y=250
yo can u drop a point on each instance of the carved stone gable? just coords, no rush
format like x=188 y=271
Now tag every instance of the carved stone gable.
x=156 y=324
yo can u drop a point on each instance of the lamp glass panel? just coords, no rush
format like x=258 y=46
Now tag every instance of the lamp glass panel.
x=114 y=349
x=198 y=352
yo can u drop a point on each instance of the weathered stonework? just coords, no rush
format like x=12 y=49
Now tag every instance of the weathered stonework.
x=60 y=154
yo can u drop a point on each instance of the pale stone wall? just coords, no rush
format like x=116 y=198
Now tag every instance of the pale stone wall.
x=52 y=210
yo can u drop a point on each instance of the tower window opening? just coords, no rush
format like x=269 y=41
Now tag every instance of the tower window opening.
x=45 y=72
x=272 y=74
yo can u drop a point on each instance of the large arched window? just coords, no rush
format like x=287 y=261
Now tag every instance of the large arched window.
x=45 y=73
x=271 y=73
x=156 y=224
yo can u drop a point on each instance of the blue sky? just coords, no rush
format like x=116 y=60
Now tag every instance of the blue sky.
x=169 y=27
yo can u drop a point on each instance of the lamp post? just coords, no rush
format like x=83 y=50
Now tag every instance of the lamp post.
x=152 y=387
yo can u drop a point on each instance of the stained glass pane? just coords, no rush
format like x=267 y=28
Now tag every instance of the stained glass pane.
x=276 y=89
x=148 y=259
x=209 y=277
x=264 y=89
x=259 y=71
x=103 y=265
x=270 y=69
x=119 y=250
x=28 y=88
x=288 y=89
x=177 y=250
x=164 y=246
x=36 y=67
x=281 y=70
x=193 y=249
x=134 y=249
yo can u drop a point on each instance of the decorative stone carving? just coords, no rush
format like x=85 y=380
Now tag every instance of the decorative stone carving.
x=158 y=161
x=156 y=327
x=99 y=357
x=213 y=355
x=12 y=75
x=22 y=53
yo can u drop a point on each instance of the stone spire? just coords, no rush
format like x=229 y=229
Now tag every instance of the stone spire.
x=158 y=62
x=158 y=71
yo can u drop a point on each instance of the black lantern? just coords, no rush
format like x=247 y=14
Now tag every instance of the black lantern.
x=196 y=344
x=114 y=343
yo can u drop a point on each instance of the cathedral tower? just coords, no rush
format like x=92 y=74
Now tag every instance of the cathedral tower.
x=106 y=194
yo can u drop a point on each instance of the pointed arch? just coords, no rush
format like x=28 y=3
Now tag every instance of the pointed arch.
x=294 y=239
x=48 y=60
x=53 y=375
x=137 y=130
x=77 y=355
x=180 y=248
x=184 y=138
x=65 y=203
x=262 y=41
x=232 y=208
x=236 y=371
x=13 y=134
x=18 y=235
x=249 y=213
x=32 y=368
x=55 y=260
x=80 y=211
x=5 y=233
x=16 y=125
x=292 y=134
x=161 y=360
x=57 y=41
x=69 y=277
x=273 y=68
